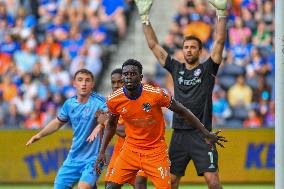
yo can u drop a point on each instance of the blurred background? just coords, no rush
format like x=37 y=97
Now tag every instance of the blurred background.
x=44 y=42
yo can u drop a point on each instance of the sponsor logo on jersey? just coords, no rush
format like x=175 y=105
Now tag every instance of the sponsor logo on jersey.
x=181 y=72
x=124 y=110
x=189 y=82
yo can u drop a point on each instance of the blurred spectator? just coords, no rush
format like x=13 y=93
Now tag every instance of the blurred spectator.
x=8 y=88
x=112 y=16
x=240 y=94
x=221 y=108
x=5 y=15
x=5 y=63
x=261 y=37
x=262 y=91
x=33 y=121
x=26 y=57
x=50 y=114
x=253 y=120
x=239 y=31
x=3 y=109
x=13 y=119
x=24 y=105
x=269 y=119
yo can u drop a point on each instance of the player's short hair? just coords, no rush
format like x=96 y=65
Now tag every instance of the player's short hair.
x=116 y=71
x=133 y=62
x=84 y=71
x=192 y=37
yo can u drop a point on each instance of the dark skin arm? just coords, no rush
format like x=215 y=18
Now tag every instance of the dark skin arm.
x=120 y=131
x=109 y=133
x=191 y=119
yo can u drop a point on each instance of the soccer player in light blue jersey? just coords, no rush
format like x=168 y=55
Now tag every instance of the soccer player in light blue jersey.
x=80 y=111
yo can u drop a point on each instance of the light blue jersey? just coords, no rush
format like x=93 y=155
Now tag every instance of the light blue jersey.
x=79 y=164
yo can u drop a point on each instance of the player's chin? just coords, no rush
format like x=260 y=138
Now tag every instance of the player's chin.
x=130 y=87
x=84 y=93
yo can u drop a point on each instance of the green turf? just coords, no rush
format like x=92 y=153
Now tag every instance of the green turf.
x=150 y=187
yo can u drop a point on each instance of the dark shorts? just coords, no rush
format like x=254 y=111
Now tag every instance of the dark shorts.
x=189 y=145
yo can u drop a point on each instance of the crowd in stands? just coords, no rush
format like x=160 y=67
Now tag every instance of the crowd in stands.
x=43 y=43
x=244 y=91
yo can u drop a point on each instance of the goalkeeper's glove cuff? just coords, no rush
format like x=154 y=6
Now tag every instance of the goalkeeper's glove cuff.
x=221 y=13
x=145 y=19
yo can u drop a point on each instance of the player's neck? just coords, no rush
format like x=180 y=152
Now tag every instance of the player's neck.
x=191 y=66
x=133 y=94
x=82 y=99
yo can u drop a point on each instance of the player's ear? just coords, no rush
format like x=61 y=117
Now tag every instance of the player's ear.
x=200 y=51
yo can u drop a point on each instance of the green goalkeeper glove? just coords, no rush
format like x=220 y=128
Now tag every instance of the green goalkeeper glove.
x=221 y=6
x=144 y=7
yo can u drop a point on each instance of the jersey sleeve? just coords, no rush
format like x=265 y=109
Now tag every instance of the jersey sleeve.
x=171 y=64
x=103 y=106
x=211 y=66
x=164 y=98
x=63 y=112
x=111 y=107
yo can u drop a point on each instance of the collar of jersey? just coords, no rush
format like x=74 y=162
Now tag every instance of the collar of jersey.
x=134 y=98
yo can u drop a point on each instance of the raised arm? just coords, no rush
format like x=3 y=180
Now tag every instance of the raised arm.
x=154 y=45
x=194 y=121
x=144 y=7
x=50 y=128
x=220 y=32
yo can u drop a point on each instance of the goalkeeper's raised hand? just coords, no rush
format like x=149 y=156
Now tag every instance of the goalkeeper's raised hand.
x=221 y=6
x=144 y=7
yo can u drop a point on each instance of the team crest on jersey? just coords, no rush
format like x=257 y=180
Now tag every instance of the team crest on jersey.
x=146 y=107
x=87 y=110
x=165 y=92
x=181 y=72
x=197 y=72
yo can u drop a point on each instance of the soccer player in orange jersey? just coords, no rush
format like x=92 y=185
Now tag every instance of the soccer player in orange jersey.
x=140 y=106
x=140 y=182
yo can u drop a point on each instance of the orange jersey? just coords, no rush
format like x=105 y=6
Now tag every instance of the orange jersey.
x=120 y=140
x=143 y=116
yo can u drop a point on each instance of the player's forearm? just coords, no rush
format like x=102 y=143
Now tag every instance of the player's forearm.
x=189 y=117
x=150 y=36
x=109 y=133
x=221 y=30
x=192 y=120
x=50 y=128
x=120 y=133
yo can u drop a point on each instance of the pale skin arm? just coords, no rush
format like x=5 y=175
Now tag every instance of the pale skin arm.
x=102 y=121
x=50 y=128
x=154 y=45
x=218 y=46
